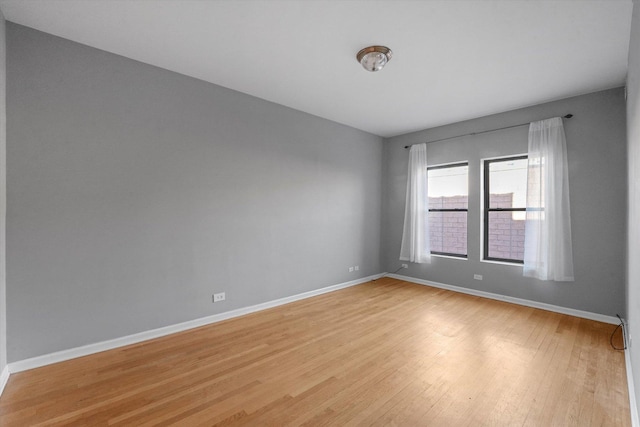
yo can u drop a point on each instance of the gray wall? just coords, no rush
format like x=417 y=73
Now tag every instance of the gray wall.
x=3 y=194
x=597 y=180
x=633 y=238
x=135 y=193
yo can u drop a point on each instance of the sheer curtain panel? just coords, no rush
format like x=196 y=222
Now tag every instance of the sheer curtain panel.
x=415 y=234
x=547 y=246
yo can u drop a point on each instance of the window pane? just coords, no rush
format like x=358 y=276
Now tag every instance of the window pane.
x=508 y=183
x=506 y=236
x=448 y=187
x=448 y=232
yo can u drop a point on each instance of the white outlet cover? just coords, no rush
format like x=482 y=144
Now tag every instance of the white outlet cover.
x=350 y=269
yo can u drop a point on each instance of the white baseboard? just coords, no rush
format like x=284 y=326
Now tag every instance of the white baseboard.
x=60 y=356
x=4 y=377
x=633 y=407
x=528 y=303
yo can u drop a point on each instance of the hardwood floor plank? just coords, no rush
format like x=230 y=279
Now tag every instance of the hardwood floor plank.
x=386 y=352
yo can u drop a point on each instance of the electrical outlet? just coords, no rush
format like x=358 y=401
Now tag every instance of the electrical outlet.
x=218 y=297
x=356 y=268
x=405 y=265
x=350 y=269
x=477 y=276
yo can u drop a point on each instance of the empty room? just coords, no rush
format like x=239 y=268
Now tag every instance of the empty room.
x=319 y=213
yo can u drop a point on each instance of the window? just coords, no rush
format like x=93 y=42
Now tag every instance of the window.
x=448 y=205
x=505 y=193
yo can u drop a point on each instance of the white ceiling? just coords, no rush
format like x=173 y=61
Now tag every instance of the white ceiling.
x=453 y=60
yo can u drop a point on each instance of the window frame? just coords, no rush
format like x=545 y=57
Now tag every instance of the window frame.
x=429 y=210
x=487 y=208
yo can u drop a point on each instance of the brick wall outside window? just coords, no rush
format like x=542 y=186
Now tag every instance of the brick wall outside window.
x=449 y=229
x=506 y=234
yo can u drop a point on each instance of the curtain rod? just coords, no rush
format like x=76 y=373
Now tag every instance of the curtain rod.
x=568 y=116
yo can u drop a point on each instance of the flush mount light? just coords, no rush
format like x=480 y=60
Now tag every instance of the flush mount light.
x=374 y=58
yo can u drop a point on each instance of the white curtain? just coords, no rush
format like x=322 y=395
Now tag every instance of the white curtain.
x=415 y=234
x=547 y=246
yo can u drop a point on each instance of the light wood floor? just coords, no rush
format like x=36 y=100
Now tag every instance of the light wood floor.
x=382 y=353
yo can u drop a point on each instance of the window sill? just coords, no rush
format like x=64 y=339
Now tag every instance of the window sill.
x=512 y=264
x=450 y=257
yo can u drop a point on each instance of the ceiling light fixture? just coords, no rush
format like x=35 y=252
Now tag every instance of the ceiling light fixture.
x=374 y=58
